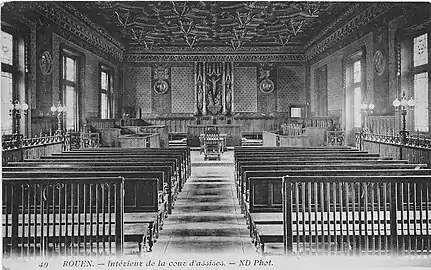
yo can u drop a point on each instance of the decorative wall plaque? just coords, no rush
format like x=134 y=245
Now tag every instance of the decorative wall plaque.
x=46 y=63
x=379 y=62
x=266 y=86
x=161 y=87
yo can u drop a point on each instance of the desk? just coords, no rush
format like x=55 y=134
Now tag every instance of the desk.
x=222 y=140
x=232 y=132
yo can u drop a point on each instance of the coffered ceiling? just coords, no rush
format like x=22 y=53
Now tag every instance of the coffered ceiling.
x=235 y=25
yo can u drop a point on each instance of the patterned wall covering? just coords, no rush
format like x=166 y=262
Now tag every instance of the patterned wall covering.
x=137 y=88
x=245 y=89
x=290 y=87
x=183 y=90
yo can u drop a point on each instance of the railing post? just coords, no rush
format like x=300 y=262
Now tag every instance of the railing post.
x=287 y=217
x=393 y=218
x=15 y=213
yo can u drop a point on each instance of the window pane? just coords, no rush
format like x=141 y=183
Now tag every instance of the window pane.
x=357 y=96
x=104 y=106
x=357 y=71
x=6 y=99
x=70 y=69
x=421 y=98
x=295 y=112
x=7 y=48
x=420 y=50
x=104 y=82
x=70 y=102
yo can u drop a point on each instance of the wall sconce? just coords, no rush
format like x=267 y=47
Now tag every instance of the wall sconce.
x=402 y=105
x=59 y=111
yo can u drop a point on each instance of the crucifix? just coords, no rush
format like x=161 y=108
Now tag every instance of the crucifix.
x=213 y=100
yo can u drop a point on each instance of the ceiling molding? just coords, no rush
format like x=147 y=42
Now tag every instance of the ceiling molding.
x=59 y=16
x=271 y=50
x=362 y=19
x=93 y=25
x=351 y=10
x=214 y=58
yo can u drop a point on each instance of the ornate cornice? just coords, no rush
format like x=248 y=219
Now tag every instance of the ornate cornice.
x=353 y=8
x=60 y=17
x=350 y=27
x=89 y=22
x=214 y=58
x=175 y=50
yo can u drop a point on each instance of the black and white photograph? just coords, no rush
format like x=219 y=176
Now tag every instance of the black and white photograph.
x=186 y=135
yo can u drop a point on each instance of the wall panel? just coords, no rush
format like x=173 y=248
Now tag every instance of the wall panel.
x=245 y=89
x=183 y=90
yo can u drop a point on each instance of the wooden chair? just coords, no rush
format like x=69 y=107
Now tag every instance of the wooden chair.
x=212 y=144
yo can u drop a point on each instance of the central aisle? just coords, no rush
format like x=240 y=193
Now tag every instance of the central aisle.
x=206 y=217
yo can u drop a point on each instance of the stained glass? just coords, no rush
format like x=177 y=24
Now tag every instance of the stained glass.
x=7 y=48
x=104 y=106
x=357 y=71
x=70 y=69
x=420 y=50
x=421 y=98
x=6 y=99
x=104 y=80
x=357 y=95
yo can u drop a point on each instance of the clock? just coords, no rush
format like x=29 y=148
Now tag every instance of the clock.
x=379 y=62
x=46 y=63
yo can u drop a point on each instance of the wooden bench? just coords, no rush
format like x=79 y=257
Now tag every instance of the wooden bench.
x=268 y=228
x=125 y=156
x=171 y=182
x=148 y=200
x=394 y=213
x=167 y=184
x=184 y=151
x=37 y=212
x=316 y=164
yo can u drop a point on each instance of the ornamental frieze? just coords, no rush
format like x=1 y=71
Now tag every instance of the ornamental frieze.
x=214 y=58
x=352 y=26
x=59 y=17
x=161 y=50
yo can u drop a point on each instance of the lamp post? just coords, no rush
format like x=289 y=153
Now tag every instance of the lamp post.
x=366 y=108
x=59 y=110
x=403 y=104
x=16 y=109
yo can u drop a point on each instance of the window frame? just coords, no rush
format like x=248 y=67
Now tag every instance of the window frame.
x=109 y=92
x=68 y=52
x=415 y=70
x=19 y=74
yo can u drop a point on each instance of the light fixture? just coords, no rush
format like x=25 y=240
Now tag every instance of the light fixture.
x=403 y=104
x=59 y=110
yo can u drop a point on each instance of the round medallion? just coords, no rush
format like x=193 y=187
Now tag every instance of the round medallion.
x=266 y=85
x=161 y=87
x=46 y=63
x=379 y=62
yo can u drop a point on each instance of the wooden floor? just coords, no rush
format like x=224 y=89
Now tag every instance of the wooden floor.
x=206 y=217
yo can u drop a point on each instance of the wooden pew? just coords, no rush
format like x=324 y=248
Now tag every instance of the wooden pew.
x=59 y=202
x=316 y=164
x=148 y=202
x=391 y=214
x=172 y=180
x=127 y=156
x=168 y=185
x=185 y=151
x=271 y=232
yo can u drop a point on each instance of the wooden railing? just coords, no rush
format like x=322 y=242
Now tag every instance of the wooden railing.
x=381 y=124
x=357 y=215
x=415 y=150
x=140 y=140
x=17 y=148
x=62 y=216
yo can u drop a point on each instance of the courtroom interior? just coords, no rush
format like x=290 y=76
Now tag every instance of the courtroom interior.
x=264 y=128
